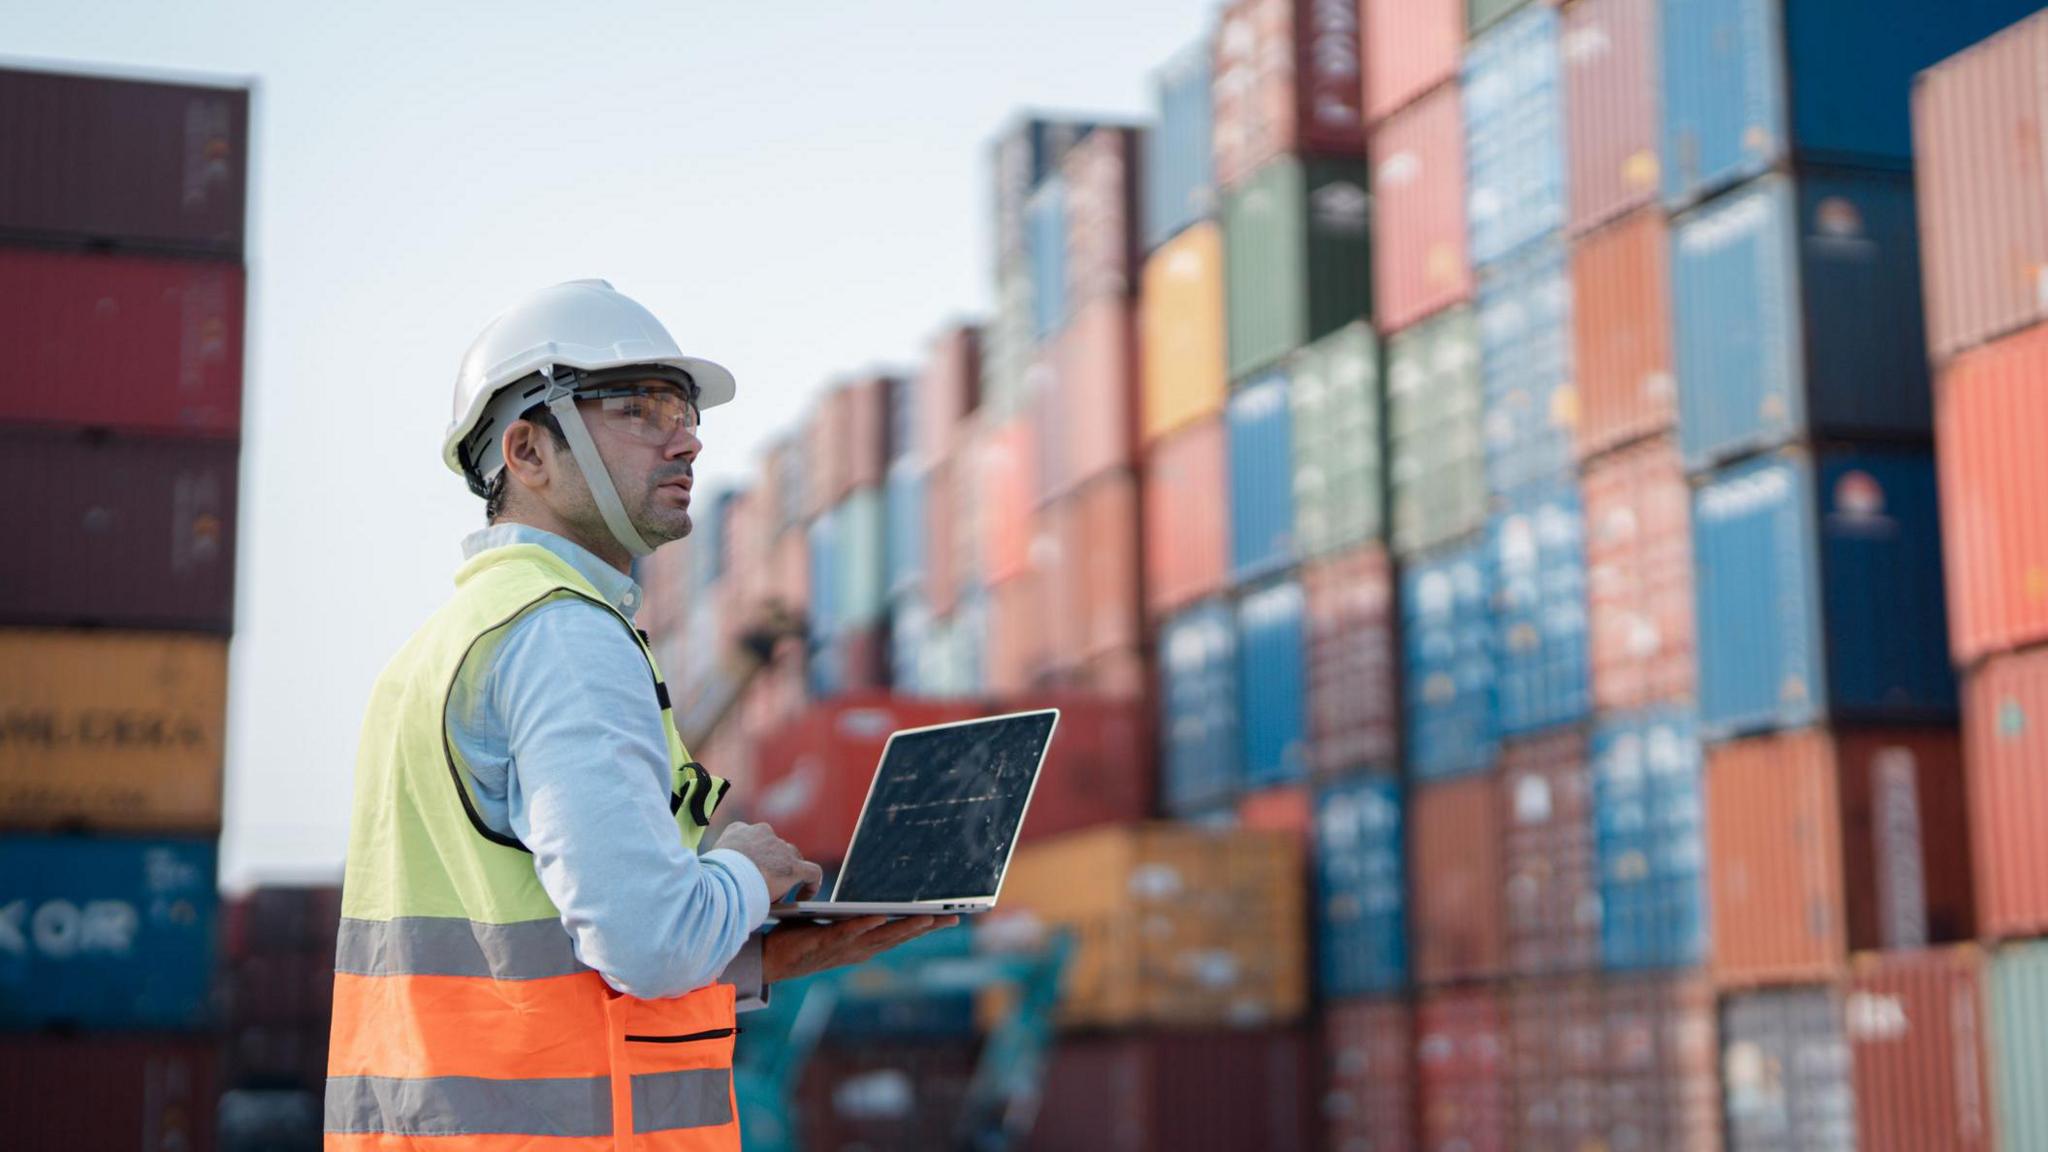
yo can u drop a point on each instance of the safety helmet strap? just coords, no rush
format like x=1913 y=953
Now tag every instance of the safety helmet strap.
x=561 y=401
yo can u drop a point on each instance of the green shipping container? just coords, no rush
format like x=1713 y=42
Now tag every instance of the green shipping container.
x=1335 y=390
x=1438 y=465
x=1480 y=14
x=1297 y=259
x=2019 y=1027
x=861 y=552
x=1007 y=344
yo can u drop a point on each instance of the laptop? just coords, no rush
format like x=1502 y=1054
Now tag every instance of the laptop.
x=940 y=821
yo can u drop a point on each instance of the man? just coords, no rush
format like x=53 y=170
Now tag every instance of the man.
x=533 y=955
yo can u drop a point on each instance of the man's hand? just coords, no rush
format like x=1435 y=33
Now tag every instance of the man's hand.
x=781 y=865
x=797 y=949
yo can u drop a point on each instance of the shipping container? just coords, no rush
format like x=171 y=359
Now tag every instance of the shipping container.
x=1369 y=1086
x=273 y=918
x=1028 y=150
x=1046 y=228
x=1198 y=674
x=1649 y=829
x=118 y=731
x=1436 y=472
x=1621 y=333
x=791 y=564
x=1361 y=891
x=1609 y=53
x=1456 y=869
x=826 y=550
x=2019 y=1042
x=1095 y=410
x=1991 y=418
x=1334 y=391
x=1448 y=675
x=904 y=527
x=1814 y=582
x=117 y=1094
x=1552 y=891
x=1288 y=808
x=1195 y=1091
x=945 y=393
x=1514 y=134
x=1006 y=478
x=1823 y=843
x=1418 y=185
x=1286 y=82
x=942 y=543
x=1785 y=1077
x=1538 y=562
x=1179 y=185
x=1916 y=1027
x=118 y=532
x=866 y=432
x=895 y=1096
x=1261 y=478
x=1272 y=662
x=1008 y=343
x=1297 y=233
x=1092 y=605
x=1101 y=174
x=1018 y=653
x=280 y=989
x=1180 y=321
x=910 y=628
x=788 y=471
x=1662 y=1090
x=1525 y=368
x=1463 y=1095
x=1411 y=46
x=2006 y=741
x=1354 y=708
x=1483 y=14
x=93 y=160
x=1557 y=1053
x=1639 y=576
x=827 y=447
x=1187 y=516
x=1796 y=310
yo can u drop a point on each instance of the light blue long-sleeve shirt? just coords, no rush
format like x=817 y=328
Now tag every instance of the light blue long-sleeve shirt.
x=556 y=718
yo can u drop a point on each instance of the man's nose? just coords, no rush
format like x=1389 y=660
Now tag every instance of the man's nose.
x=684 y=444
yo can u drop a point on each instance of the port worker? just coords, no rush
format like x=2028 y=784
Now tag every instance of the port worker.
x=533 y=954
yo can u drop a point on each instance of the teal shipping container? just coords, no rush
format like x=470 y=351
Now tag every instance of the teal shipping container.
x=1542 y=626
x=2019 y=1042
x=1361 y=888
x=1334 y=387
x=1436 y=466
x=1198 y=699
x=1272 y=684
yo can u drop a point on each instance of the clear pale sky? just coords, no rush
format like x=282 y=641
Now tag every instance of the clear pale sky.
x=799 y=189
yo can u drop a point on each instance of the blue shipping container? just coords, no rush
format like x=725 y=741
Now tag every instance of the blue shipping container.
x=1448 y=670
x=1525 y=357
x=1045 y=237
x=906 y=529
x=1361 y=886
x=910 y=637
x=1650 y=833
x=1198 y=702
x=1797 y=313
x=1272 y=671
x=1180 y=183
x=1261 y=431
x=106 y=934
x=1542 y=659
x=825 y=558
x=1514 y=134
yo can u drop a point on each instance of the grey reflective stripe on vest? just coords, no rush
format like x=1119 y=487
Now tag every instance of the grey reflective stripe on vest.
x=452 y=946
x=573 y=1106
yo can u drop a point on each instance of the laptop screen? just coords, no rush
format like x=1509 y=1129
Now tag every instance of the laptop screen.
x=944 y=811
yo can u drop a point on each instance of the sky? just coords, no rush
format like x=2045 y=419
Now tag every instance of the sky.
x=800 y=190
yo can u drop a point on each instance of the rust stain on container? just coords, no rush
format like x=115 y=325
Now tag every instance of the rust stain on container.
x=1455 y=866
x=1551 y=900
x=1353 y=694
x=2005 y=709
x=1639 y=576
x=1990 y=421
x=1917 y=1038
x=1621 y=333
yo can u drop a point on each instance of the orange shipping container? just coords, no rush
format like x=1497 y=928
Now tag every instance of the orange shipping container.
x=120 y=731
x=946 y=391
x=1095 y=410
x=1917 y=1028
x=1180 y=317
x=1639 y=576
x=1018 y=643
x=1419 y=259
x=1411 y=46
x=1287 y=809
x=1456 y=875
x=1006 y=475
x=2005 y=708
x=1621 y=333
x=1463 y=1092
x=1187 y=516
x=1990 y=426
x=1093 y=572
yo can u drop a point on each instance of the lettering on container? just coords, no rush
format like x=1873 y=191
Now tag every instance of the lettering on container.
x=63 y=929
x=1746 y=495
x=1333 y=64
x=1737 y=221
x=1901 y=877
x=1341 y=207
x=1876 y=1017
x=100 y=729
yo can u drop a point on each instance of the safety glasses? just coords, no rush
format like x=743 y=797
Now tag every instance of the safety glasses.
x=650 y=415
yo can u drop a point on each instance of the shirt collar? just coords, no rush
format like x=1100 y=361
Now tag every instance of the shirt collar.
x=615 y=586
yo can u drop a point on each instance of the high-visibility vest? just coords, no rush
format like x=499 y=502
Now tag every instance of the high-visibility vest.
x=463 y=1021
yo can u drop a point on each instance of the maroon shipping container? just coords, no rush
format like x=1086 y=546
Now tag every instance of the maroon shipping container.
x=1102 y=216
x=281 y=989
x=1916 y=1026
x=1663 y=1091
x=121 y=532
x=1187 y=516
x=892 y=1097
x=1621 y=333
x=1455 y=873
x=1558 y=1052
x=1285 y=81
x=1610 y=97
x=86 y=158
x=1419 y=259
x=1353 y=700
x=1990 y=421
x=1094 y=410
x=2005 y=709
x=1552 y=896
x=1411 y=46
x=1188 y=1091
x=109 y=1094
x=1369 y=1084
x=1091 y=577
x=866 y=432
x=1639 y=576
x=1461 y=1071
x=947 y=392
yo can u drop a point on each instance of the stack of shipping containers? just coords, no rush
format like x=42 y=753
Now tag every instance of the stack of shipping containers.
x=121 y=241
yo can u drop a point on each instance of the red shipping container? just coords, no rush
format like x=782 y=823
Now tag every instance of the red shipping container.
x=1287 y=808
x=1369 y=1084
x=1455 y=880
x=1285 y=81
x=1822 y=843
x=1102 y=216
x=1411 y=46
x=1181 y=1090
x=124 y=161
x=1621 y=333
x=1419 y=259
x=1978 y=119
x=1461 y=1066
x=1552 y=897
x=942 y=577
x=1006 y=480
x=867 y=434
x=132 y=343
x=1610 y=97
x=1018 y=649
x=1639 y=576
x=947 y=391
x=1187 y=516
x=1092 y=577
x=1094 y=412
x=2005 y=709
x=1557 y=1040
x=150 y=1093
x=1990 y=422
x=1353 y=702
x=889 y=1097
x=1916 y=1024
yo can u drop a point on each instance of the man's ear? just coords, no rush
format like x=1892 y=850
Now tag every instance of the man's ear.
x=526 y=458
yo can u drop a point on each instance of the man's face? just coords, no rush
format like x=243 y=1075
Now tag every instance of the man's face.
x=649 y=444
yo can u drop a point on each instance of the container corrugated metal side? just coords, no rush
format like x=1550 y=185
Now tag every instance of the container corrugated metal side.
x=1005 y=486
x=1609 y=50
x=1621 y=333
x=1723 y=86
x=947 y=392
x=1905 y=837
x=941 y=530
x=906 y=519
x=2006 y=742
x=1557 y=1060
x=2019 y=1039
x=1639 y=576
x=1045 y=222
x=1334 y=389
x=146 y=1093
x=1418 y=184
x=1297 y=238
x=1008 y=343
x=1369 y=1084
x=1286 y=80
x=1095 y=412
x=1785 y=1072
x=1180 y=332
x=1436 y=451
x=1991 y=419
x=1199 y=701
x=1525 y=368
x=1361 y=888
x=1514 y=134
x=1138 y=1093
x=1353 y=699
x=1917 y=1040
x=863 y=541
x=1102 y=215
x=1664 y=1050
x=1542 y=664
x=824 y=552
x=1261 y=478
x=1463 y=1097
x=1552 y=894
x=1187 y=516
x=1180 y=179
x=1880 y=525
x=910 y=637
x=1093 y=606
x=1272 y=661
x=1411 y=46
x=1018 y=652
x=1455 y=873
x=1027 y=151
x=1757 y=588
x=1649 y=822
x=1448 y=674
